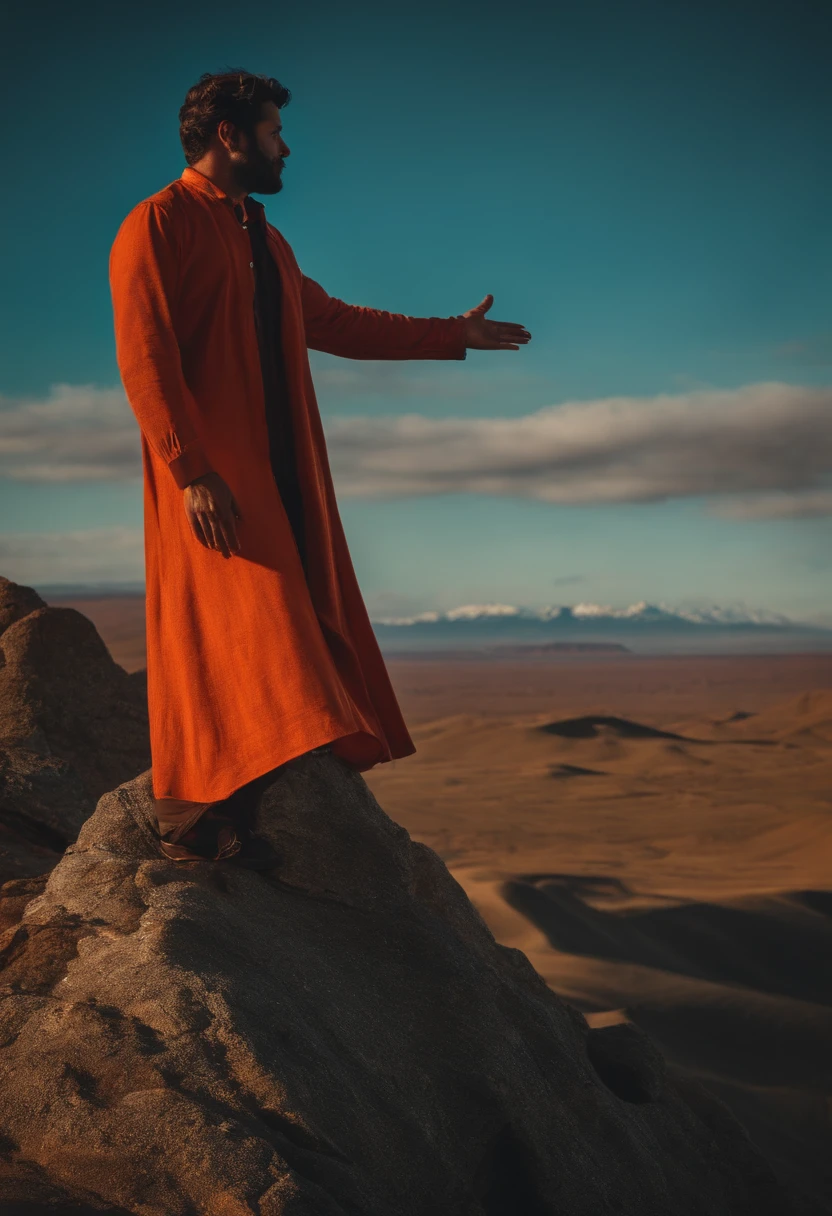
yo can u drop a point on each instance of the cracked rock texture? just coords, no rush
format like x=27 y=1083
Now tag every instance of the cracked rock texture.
x=73 y=724
x=340 y=1037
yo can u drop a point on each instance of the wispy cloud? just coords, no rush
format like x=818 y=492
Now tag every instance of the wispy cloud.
x=89 y=556
x=812 y=351
x=343 y=379
x=563 y=580
x=811 y=505
x=758 y=450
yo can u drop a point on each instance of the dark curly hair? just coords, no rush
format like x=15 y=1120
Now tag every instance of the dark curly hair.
x=235 y=95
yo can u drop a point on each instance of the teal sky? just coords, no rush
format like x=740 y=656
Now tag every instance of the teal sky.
x=647 y=187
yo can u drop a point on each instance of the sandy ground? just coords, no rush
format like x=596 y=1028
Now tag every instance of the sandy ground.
x=656 y=835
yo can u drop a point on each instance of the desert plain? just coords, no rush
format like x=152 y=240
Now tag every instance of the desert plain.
x=655 y=833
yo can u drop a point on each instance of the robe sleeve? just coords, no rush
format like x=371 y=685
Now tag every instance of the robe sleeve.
x=144 y=270
x=369 y=333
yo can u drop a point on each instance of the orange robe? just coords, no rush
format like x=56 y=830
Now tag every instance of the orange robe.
x=249 y=662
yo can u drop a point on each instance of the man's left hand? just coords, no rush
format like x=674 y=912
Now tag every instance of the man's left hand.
x=482 y=334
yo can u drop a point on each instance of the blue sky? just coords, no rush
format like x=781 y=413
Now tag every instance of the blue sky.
x=646 y=187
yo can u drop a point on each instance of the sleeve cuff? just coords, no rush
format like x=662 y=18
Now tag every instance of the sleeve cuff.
x=188 y=465
x=458 y=347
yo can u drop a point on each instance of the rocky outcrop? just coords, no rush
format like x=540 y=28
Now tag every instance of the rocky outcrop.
x=73 y=724
x=16 y=601
x=339 y=1037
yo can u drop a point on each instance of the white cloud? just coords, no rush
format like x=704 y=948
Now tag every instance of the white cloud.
x=90 y=556
x=764 y=439
x=78 y=432
x=761 y=450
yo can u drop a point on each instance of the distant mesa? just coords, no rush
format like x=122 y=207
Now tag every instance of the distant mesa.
x=531 y=648
x=518 y=650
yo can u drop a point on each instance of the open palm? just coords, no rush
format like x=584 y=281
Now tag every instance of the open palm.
x=482 y=334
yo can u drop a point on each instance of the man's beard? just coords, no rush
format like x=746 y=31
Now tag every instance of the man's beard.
x=256 y=173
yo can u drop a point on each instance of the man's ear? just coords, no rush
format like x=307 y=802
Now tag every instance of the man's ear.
x=232 y=139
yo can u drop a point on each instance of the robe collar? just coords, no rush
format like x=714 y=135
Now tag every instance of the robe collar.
x=193 y=177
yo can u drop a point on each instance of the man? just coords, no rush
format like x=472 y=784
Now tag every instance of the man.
x=259 y=644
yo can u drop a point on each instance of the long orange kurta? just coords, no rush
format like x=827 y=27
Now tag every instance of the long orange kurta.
x=249 y=663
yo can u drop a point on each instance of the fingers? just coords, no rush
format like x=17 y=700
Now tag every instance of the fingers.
x=509 y=327
x=225 y=530
x=197 y=529
x=209 y=532
x=508 y=342
x=217 y=536
x=229 y=532
x=511 y=333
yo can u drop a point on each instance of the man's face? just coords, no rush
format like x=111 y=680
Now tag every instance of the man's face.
x=258 y=163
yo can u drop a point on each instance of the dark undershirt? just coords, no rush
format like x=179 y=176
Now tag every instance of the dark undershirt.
x=267 y=319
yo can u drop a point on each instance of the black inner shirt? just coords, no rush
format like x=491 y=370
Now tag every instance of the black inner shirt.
x=267 y=319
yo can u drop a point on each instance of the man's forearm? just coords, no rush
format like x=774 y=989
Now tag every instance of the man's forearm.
x=355 y=332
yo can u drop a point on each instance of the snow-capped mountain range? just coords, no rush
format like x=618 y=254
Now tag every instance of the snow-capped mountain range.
x=639 y=613
x=642 y=627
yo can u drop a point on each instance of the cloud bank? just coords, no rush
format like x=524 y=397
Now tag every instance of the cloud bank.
x=106 y=555
x=78 y=432
x=766 y=446
x=761 y=451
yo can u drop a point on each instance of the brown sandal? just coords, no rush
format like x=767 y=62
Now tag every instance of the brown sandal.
x=212 y=836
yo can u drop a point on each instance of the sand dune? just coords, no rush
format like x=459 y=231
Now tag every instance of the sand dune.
x=677 y=873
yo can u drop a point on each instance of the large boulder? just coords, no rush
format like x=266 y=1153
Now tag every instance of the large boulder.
x=62 y=692
x=73 y=724
x=339 y=1037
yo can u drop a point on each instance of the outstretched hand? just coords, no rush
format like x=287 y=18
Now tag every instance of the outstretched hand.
x=482 y=334
x=212 y=512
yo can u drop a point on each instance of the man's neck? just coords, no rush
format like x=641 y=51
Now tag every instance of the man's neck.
x=219 y=180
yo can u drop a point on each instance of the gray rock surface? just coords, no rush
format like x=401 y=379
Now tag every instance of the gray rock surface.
x=339 y=1037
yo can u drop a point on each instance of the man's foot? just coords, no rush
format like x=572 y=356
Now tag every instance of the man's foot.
x=212 y=838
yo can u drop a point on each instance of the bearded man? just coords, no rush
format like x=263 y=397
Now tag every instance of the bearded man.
x=259 y=646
